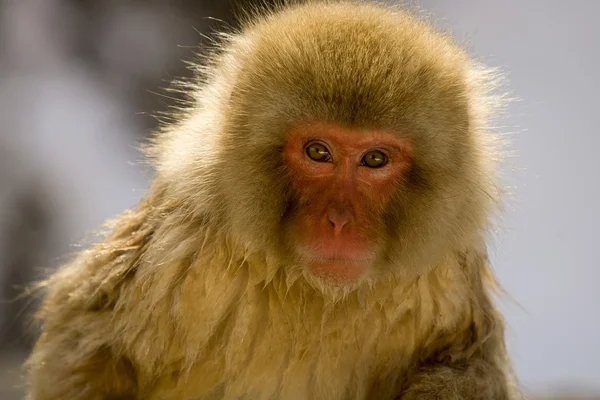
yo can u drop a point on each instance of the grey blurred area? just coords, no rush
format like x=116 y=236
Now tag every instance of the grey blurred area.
x=79 y=80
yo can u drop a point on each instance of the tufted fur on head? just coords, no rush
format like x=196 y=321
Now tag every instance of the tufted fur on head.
x=193 y=294
x=369 y=68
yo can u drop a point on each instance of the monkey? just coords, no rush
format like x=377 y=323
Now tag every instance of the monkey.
x=316 y=228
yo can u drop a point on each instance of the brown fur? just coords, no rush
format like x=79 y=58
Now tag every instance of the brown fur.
x=192 y=296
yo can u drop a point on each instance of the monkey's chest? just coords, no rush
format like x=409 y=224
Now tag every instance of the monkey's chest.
x=256 y=343
x=288 y=367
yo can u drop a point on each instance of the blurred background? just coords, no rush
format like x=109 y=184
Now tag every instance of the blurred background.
x=80 y=78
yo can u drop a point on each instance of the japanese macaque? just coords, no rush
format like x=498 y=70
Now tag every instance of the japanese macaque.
x=315 y=229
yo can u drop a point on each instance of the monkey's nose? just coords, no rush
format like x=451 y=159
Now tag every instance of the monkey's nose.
x=339 y=220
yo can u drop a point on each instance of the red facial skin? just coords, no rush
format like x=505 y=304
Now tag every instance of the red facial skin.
x=338 y=223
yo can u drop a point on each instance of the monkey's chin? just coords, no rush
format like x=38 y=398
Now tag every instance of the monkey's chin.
x=340 y=270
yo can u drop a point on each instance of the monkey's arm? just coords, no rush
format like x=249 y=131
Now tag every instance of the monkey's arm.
x=465 y=371
x=470 y=363
x=78 y=355
x=65 y=367
x=475 y=380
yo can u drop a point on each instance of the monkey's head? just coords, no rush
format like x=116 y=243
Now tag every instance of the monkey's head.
x=351 y=146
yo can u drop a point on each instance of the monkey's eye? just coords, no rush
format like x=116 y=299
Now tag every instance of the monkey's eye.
x=374 y=159
x=318 y=152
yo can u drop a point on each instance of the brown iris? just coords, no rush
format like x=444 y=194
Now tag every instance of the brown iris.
x=318 y=152
x=374 y=159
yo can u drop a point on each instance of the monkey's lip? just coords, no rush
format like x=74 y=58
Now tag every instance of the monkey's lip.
x=340 y=269
x=337 y=264
x=316 y=256
x=342 y=260
x=325 y=252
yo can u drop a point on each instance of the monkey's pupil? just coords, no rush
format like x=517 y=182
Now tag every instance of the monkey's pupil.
x=374 y=159
x=317 y=152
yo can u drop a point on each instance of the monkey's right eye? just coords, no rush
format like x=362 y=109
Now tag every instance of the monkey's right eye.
x=318 y=152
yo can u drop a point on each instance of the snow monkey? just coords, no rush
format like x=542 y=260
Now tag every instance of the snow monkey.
x=315 y=229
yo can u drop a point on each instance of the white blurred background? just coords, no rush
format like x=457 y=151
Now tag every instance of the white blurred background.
x=78 y=77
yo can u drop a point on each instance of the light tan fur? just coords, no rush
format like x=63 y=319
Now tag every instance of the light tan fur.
x=191 y=296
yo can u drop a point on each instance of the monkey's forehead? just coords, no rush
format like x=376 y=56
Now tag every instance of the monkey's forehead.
x=352 y=62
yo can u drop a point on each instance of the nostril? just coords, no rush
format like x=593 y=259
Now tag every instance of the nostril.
x=338 y=220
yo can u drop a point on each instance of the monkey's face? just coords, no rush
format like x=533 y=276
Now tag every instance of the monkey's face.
x=343 y=180
x=354 y=159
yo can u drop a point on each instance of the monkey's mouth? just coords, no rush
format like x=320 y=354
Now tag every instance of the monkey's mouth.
x=338 y=267
x=341 y=269
x=341 y=260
